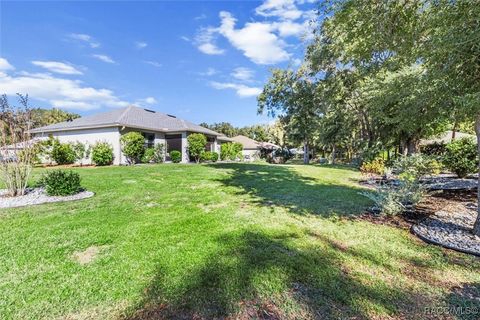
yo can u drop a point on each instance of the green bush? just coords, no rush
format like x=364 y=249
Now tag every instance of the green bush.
x=133 y=146
x=209 y=156
x=417 y=165
x=461 y=157
x=434 y=149
x=148 y=155
x=231 y=151
x=63 y=153
x=159 y=153
x=176 y=156
x=376 y=166
x=102 y=154
x=196 y=145
x=61 y=182
x=214 y=156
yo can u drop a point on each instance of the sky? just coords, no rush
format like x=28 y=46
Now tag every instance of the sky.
x=204 y=61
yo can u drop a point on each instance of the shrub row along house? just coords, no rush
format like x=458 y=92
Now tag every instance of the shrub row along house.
x=109 y=126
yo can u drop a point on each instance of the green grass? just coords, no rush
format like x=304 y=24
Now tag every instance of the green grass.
x=238 y=240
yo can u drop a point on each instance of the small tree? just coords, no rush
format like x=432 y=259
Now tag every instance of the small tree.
x=159 y=154
x=196 y=145
x=81 y=151
x=133 y=146
x=17 y=149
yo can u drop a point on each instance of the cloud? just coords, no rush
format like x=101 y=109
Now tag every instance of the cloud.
x=200 y=17
x=147 y=100
x=153 y=63
x=140 y=44
x=185 y=38
x=85 y=38
x=103 y=57
x=256 y=39
x=241 y=90
x=57 y=67
x=243 y=74
x=283 y=9
x=205 y=41
x=5 y=65
x=59 y=92
x=209 y=72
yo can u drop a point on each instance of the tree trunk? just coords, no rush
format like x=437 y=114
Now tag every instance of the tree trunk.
x=476 y=226
x=334 y=151
x=411 y=146
x=454 y=131
x=306 y=158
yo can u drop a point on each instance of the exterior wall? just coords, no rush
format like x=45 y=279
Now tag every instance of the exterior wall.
x=89 y=137
x=251 y=154
x=185 y=158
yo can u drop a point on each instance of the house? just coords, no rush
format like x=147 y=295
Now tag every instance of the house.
x=155 y=126
x=446 y=137
x=252 y=149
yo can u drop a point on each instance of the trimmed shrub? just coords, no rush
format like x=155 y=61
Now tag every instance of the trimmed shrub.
x=159 y=153
x=63 y=153
x=176 y=156
x=102 y=154
x=133 y=146
x=461 y=157
x=376 y=166
x=214 y=156
x=417 y=165
x=61 y=182
x=209 y=156
x=231 y=151
x=196 y=145
x=148 y=155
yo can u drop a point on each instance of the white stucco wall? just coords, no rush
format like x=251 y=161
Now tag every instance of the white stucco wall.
x=89 y=137
x=252 y=154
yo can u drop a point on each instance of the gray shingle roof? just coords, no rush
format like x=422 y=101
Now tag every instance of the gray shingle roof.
x=131 y=116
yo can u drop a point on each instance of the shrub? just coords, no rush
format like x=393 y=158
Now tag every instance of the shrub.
x=209 y=156
x=196 y=145
x=61 y=182
x=176 y=156
x=434 y=149
x=280 y=156
x=102 y=154
x=461 y=157
x=231 y=151
x=376 y=166
x=133 y=146
x=63 y=153
x=415 y=166
x=148 y=155
x=214 y=156
x=159 y=153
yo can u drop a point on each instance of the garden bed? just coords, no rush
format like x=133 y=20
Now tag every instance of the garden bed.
x=35 y=196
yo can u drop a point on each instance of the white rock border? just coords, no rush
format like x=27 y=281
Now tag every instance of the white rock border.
x=37 y=196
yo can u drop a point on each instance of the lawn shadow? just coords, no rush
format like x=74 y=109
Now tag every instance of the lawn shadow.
x=282 y=186
x=256 y=276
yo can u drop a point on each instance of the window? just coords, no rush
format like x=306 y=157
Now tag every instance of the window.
x=149 y=139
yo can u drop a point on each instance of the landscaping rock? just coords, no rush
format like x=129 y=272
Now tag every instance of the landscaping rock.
x=37 y=196
x=450 y=230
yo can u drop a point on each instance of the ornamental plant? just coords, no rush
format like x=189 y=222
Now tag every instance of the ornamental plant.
x=196 y=145
x=133 y=146
x=176 y=156
x=102 y=154
x=61 y=182
x=63 y=153
x=461 y=157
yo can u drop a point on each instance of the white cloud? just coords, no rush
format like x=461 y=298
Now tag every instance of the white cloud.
x=241 y=90
x=140 y=44
x=255 y=39
x=103 y=57
x=205 y=41
x=5 y=65
x=147 y=100
x=200 y=17
x=283 y=9
x=59 y=92
x=209 y=72
x=57 y=67
x=185 y=38
x=243 y=74
x=153 y=63
x=85 y=38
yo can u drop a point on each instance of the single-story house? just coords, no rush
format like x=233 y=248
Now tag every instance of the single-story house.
x=251 y=148
x=155 y=126
x=447 y=137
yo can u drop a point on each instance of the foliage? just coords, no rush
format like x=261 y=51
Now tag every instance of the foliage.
x=231 y=151
x=45 y=117
x=63 y=153
x=214 y=156
x=133 y=146
x=81 y=151
x=196 y=145
x=159 y=153
x=176 y=156
x=376 y=166
x=61 y=182
x=256 y=132
x=461 y=157
x=415 y=166
x=281 y=155
x=148 y=155
x=209 y=156
x=18 y=150
x=102 y=154
x=436 y=149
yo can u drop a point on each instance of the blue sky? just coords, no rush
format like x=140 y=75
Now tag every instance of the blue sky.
x=202 y=61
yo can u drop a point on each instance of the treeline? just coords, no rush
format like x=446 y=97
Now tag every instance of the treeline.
x=260 y=132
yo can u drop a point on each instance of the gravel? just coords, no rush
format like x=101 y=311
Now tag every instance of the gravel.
x=37 y=196
x=450 y=230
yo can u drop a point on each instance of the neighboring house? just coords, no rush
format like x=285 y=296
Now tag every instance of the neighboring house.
x=156 y=127
x=251 y=148
x=446 y=137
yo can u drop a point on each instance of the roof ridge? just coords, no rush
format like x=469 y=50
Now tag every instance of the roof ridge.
x=124 y=113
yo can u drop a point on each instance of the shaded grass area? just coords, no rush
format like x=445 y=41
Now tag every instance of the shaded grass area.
x=226 y=240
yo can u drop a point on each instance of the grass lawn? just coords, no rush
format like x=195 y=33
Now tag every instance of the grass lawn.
x=238 y=240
